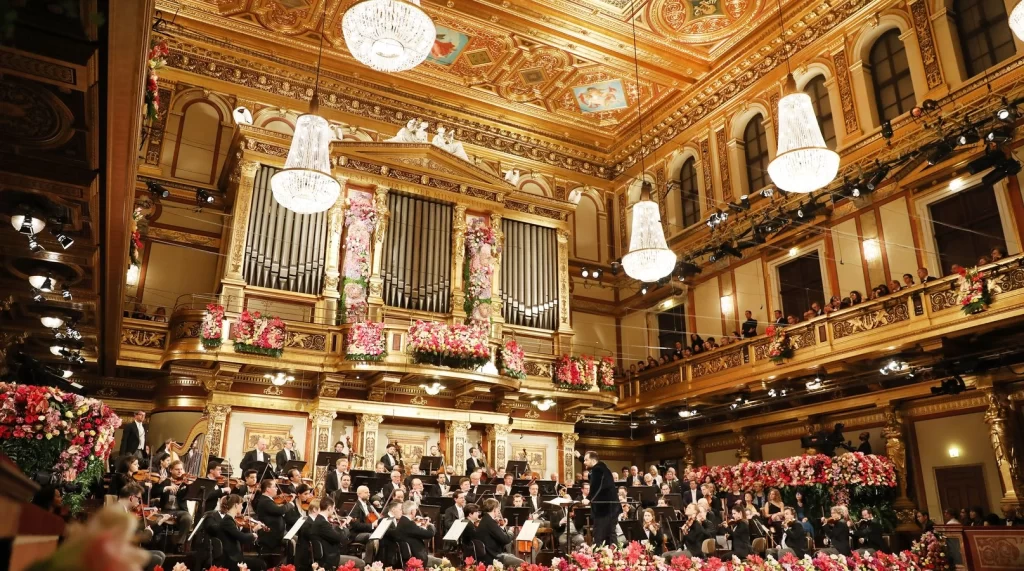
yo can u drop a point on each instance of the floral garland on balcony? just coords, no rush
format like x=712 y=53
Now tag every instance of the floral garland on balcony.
x=213 y=326
x=259 y=335
x=512 y=360
x=606 y=374
x=365 y=342
x=155 y=61
x=481 y=248
x=360 y=221
x=779 y=349
x=47 y=429
x=135 y=241
x=456 y=346
x=974 y=295
x=574 y=373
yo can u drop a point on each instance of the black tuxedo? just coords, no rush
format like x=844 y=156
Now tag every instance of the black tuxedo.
x=691 y=496
x=749 y=328
x=493 y=537
x=415 y=536
x=281 y=459
x=272 y=515
x=130 y=439
x=448 y=518
x=389 y=462
x=927 y=279
x=332 y=482
x=839 y=536
x=388 y=490
x=693 y=538
x=250 y=459
x=865 y=447
x=604 y=504
x=739 y=533
x=232 y=539
x=796 y=538
x=871 y=532
x=359 y=514
x=332 y=539
x=473 y=463
x=657 y=540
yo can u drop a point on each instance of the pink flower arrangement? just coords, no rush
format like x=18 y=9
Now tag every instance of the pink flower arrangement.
x=606 y=374
x=365 y=342
x=930 y=552
x=155 y=61
x=512 y=360
x=574 y=373
x=457 y=346
x=779 y=348
x=852 y=469
x=360 y=223
x=45 y=428
x=259 y=335
x=481 y=248
x=213 y=324
x=974 y=295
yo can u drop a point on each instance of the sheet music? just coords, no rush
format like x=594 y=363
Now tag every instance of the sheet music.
x=382 y=528
x=455 y=531
x=196 y=528
x=529 y=531
x=295 y=528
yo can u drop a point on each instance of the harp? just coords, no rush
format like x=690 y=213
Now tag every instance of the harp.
x=194 y=451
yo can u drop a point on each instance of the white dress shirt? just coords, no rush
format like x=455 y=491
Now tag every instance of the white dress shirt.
x=142 y=434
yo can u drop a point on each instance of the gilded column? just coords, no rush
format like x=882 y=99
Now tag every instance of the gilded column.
x=896 y=450
x=327 y=306
x=233 y=284
x=1002 y=432
x=368 y=425
x=458 y=261
x=498 y=435
x=375 y=299
x=216 y=420
x=322 y=420
x=564 y=329
x=458 y=436
x=569 y=440
x=497 y=321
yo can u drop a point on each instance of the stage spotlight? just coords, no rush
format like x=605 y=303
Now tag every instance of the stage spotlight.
x=643 y=289
x=984 y=162
x=939 y=152
x=887 y=130
x=926 y=106
x=203 y=197
x=63 y=239
x=876 y=178
x=1007 y=113
x=1004 y=169
x=767 y=191
x=596 y=273
x=730 y=250
x=685 y=269
x=616 y=267
x=33 y=245
x=999 y=135
x=664 y=281
x=584 y=272
x=158 y=190
x=741 y=206
x=37 y=296
x=27 y=223
x=65 y=292
x=968 y=138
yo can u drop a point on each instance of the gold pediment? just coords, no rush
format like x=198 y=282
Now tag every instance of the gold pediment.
x=421 y=157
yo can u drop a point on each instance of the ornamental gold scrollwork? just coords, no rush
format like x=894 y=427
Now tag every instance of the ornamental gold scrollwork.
x=459 y=233
x=563 y=275
x=689 y=455
x=999 y=419
x=322 y=417
x=895 y=449
x=845 y=86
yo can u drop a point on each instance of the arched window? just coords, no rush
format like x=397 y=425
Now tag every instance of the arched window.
x=755 y=148
x=822 y=109
x=890 y=72
x=985 y=37
x=689 y=193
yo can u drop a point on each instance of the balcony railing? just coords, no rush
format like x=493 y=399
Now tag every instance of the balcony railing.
x=909 y=316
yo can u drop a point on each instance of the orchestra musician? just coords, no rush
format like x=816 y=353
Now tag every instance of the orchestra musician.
x=124 y=474
x=474 y=462
x=536 y=505
x=394 y=484
x=301 y=501
x=455 y=512
x=434 y=452
x=473 y=514
x=172 y=500
x=386 y=549
x=417 y=493
x=837 y=532
x=443 y=485
x=130 y=498
x=390 y=457
x=286 y=454
x=500 y=494
x=293 y=482
x=363 y=515
x=161 y=461
x=492 y=534
x=653 y=535
x=868 y=534
x=256 y=455
x=213 y=472
x=692 y=534
x=416 y=532
x=233 y=538
x=739 y=533
x=333 y=480
x=573 y=535
x=332 y=533
x=793 y=537
x=248 y=489
x=271 y=514
x=133 y=437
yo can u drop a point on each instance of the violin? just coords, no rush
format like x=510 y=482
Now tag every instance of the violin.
x=304 y=504
x=281 y=499
x=185 y=479
x=233 y=482
x=249 y=523
x=146 y=476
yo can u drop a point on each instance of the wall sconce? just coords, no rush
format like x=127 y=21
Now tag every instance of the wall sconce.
x=544 y=405
x=279 y=379
x=433 y=389
x=659 y=437
x=954 y=451
x=872 y=250
x=727 y=306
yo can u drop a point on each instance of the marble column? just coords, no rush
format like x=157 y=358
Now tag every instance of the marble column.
x=498 y=435
x=327 y=305
x=216 y=421
x=368 y=425
x=895 y=436
x=458 y=437
x=568 y=441
x=458 y=261
x=233 y=284
x=376 y=285
x=1005 y=445
x=322 y=420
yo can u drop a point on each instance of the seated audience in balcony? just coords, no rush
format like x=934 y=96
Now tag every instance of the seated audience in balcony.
x=845 y=303
x=160 y=315
x=749 y=326
x=791 y=320
x=676 y=356
x=924 y=521
x=984 y=261
x=816 y=309
x=894 y=286
x=922 y=274
x=809 y=315
x=856 y=297
x=908 y=280
x=997 y=253
x=949 y=517
x=696 y=343
x=632 y=371
x=640 y=366
x=679 y=348
x=663 y=360
x=779 y=319
x=651 y=362
x=955 y=269
x=993 y=519
x=727 y=340
x=710 y=344
x=883 y=290
x=975 y=517
x=687 y=353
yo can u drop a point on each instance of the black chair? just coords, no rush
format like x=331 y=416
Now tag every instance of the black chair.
x=318 y=550
x=405 y=552
x=216 y=550
x=478 y=550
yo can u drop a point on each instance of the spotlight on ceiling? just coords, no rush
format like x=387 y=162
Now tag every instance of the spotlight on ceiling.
x=596 y=273
x=57 y=350
x=685 y=269
x=37 y=296
x=951 y=386
x=968 y=138
x=643 y=289
x=999 y=135
x=616 y=267
x=433 y=389
x=877 y=177
x=887 y=130
x=65 y=292
x=158 y=190
x=1005 y=168
x=63 y=239
x=41 y=282
x=1007 y=113
x=203 y=197
x=51 y=321
x=688 y=413
x=742 y=205
x=26 y=223
x=717 y=218
x=33 y=245
x=926 y=106
x=939 y=152
x=584 y=272
x=814 y=384
x=279 y=379
x=767 y=191
x=730 y=250
x=984 y=162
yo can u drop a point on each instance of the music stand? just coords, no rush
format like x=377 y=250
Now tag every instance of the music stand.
x=516 y=516
x=198 y=489
x=667 y=513
x=515 y=467
x=328 y=459
x=646 y=495
x=290 y=465
x=262 y=469
x=632 y=529
x=430 y=464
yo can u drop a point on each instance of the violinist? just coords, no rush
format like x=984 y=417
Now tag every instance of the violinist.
x=500 y=494
x=130 y=498
x=739 y=532
x=653 y=534
x=416 y=532
x=492 y=534
x=386 y=549
x=123 y=475
x=416 y=494
x=474 y=462
x=363 y=515
x=172 y=500
x=249 y=490
x=162 y=461
x=693 y=533
x=332 y=536
x=232 y=537
x=456 y=512
x=271 y=514
x=443 y=485
x=394 y=484
x=792 y=536
x=837 y=532
x=380 y=468
x=293 y=482
x=333 y=480
x=301 y=501
x=213 y=472
x=473 y=514
x=390 y=457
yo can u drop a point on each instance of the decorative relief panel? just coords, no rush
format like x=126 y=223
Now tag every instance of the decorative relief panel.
x=926 y=41
x=842 y=71
x=308 y=341
x=661 y=381
x=720 y=362
x=709 y=185
x=722 y=151
x=691 y=22
x=538 y=368
x=803 y=337
x=1013 y=279
x=186 y=330
x=143 y=338
x=942 y=300
x=873 y=320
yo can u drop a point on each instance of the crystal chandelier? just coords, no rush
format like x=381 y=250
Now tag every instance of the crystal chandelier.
x=802 y=162
x=649 y=258
x=1017 y=20
x=388 y=35
x=305 y=185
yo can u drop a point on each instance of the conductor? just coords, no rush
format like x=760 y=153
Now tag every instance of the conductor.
x=603 y=500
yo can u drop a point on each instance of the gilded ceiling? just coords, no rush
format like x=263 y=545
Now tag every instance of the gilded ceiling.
x=565 y=63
